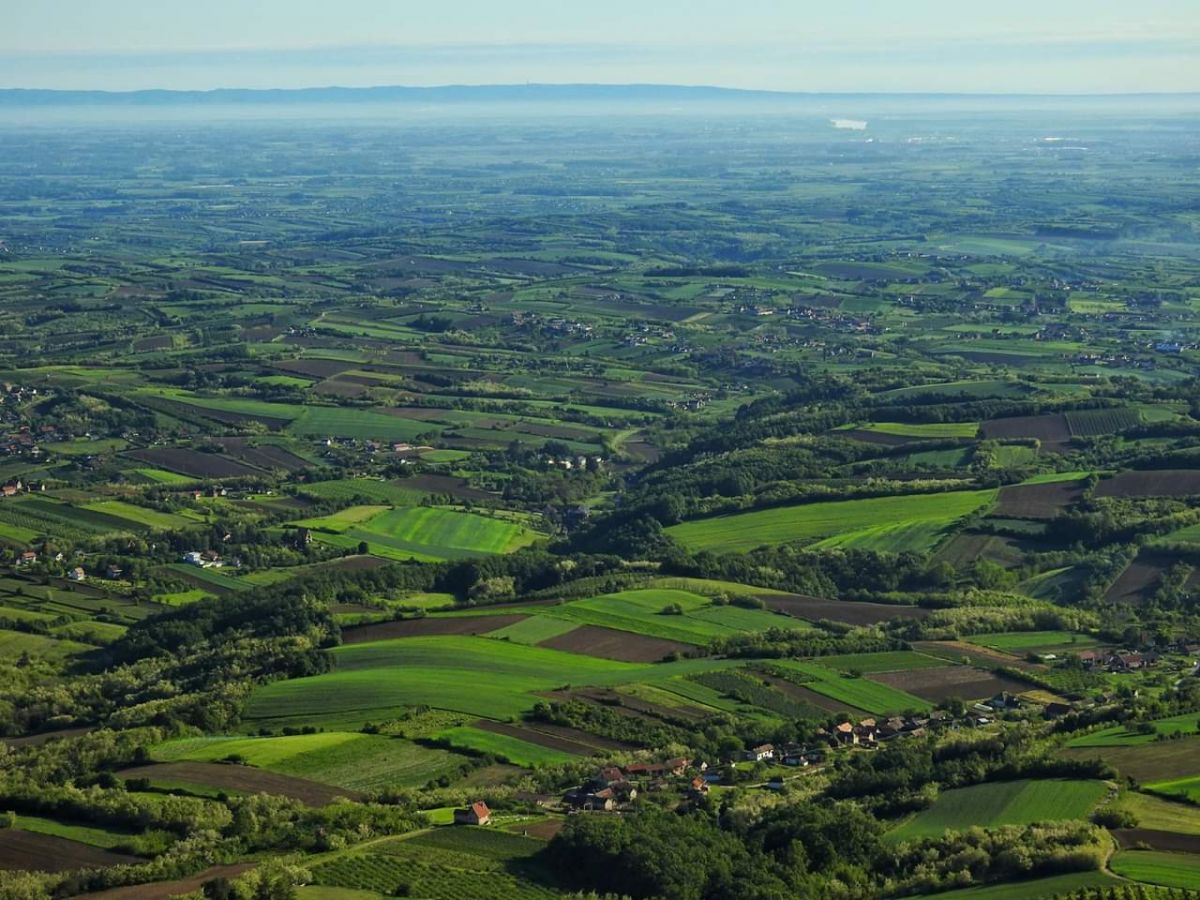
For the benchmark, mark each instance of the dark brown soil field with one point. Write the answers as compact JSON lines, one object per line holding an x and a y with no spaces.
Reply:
{"x":979,"y":656}
{"x":1136,"y":583}
{"x":1038,"y":501}
{"x":242,"y":779}
{"x":161,"y":342}
{"x":561,"y":432}
{"x":162,"y":890}
{"x":358,"y":563}
{"x":631,"y":706}
{"x":194,"y":463}
{"x":337,"y":388}
{"x":964,"y":549}
{"x":47,"y":853}
{"x":36,"y":740}
{"x":445,"y":484}
{"x":546,"y":830}
{"x":532,"y":736}
{"x":264,"y":457}
{"x":1170,"y":841}
{"x":585,"y":738}
{"x":592,"y":640}
{"x":315,"y":368}
{"x":426,"y":625}
{"x":1158,"y":483}
{"x":815,"y":608}
{"x":1050,"y":429}
{"x":943,"y":683}
{"x":872,"y":437}
{"x":1157,"y":761}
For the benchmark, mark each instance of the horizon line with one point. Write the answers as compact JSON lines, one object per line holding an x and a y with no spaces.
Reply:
{"x":773,"y":92}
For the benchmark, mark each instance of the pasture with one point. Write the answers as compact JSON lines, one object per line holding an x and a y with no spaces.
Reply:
{"x":812,"y":521}
{"x":343,"y":759}
{"x":1176,"y":870}
{"x":1003,"y":803}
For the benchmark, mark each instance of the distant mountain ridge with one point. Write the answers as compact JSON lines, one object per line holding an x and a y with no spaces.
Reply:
{"x":468,"y":94}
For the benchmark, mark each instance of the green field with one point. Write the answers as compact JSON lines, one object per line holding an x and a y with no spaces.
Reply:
{"x":421,"y":533}
{"x":1186,"y":788}
{"x":474,"y":675}
{"x":641,"y":612}
{"x":1121,"y":736}
{"x":1179,"y":870}
{"x":343,"y":759}
{"x":857,"y":693}
{"x":892,"y":661}
{"x":106,"y":838}
{"x":930,"y":431}
{"x":502,"y":746}
{"x":151,"y":518}
{"x":1027,"y":641}
{"x":1003,"y":803}
{"x":1052,"y":888}
{"x":447,"y":862}
{"x":745,"y":531}
{"x":533,"y":630}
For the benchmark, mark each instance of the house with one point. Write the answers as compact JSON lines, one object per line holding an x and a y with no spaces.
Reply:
{"x":475,"y":814}
{"x":760,"y":753}
{"x":303,"y":538}
{"x":112,"y":573}
{"x":77,"y":574}
{"x":845,"y":733}
{"x":698,"y":787}
{"x":27,"y":557}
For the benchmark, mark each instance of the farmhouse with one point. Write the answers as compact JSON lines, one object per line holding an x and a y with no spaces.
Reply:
{"x":475,"y":814}
{"x":77,"y":574}
{"x":27,"y":557}
{"x":759,"y":753}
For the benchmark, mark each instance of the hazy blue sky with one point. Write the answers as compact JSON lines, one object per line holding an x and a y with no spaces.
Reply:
{"x":846,"y":45}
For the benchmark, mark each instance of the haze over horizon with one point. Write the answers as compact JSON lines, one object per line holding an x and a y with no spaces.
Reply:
{"x":928,"y":46}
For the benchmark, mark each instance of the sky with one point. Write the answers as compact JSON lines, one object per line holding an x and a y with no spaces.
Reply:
{"x":944,"y":46}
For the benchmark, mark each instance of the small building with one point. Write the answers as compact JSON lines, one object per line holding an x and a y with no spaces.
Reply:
{"x":27,"y":557}
{"x":475,"y":814}
{"x":112,"y":573}
{"x":77,"y":574}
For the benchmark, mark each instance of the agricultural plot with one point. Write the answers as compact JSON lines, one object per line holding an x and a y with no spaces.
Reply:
{"x":851,"y":613}
{"x":873,"y":663}
{"x":1003,"y":803}
{"x":745,"y":531}
{"x":423,"y":533}
{"x":395,"y":493}
{"x":1051,"y":888}
{"x":445,"y":864}
{"x":140,"y":516}
{"x":353,"y":760}
{"x":1183,"y":788}
{"x":935,"y":431}
{"x":478,"y":676}
{"x":1155,"y":483}
{"x":678,"y":616}
{"x":35,"y":852}
{"x":1151,"y":762}
{"x":1175,"y":870}
{"x":1051,"y":429}
{"x":1099,"y":422}
{"x":1031,"y":641}
{"x":1038,"y":501}
{"x":609,"y":643}
{"x":854,"y":692}
{"x":504,"y":747}
{"x":207,"y":779}
{"x":1121,"y":736}
{"x":938,"y":685}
